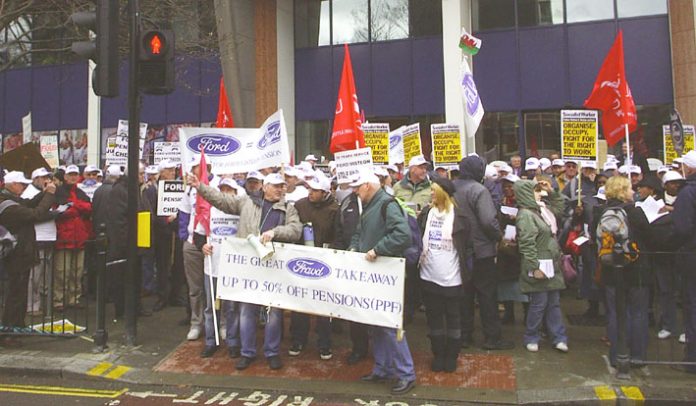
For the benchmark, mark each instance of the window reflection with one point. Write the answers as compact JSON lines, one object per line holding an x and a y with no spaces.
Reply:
{"x":425,"y":17}
{"x":489,"y":14}
{"x":311,"y":137}
{"x":389,"y":19}
{"x":635,"y":8}
{"x":312,"y":23}
{"x":589,"y":10}
{"x":350,"y":21}
{"x":543,"y":132}
{"x":496,"y":138}
{"x":539,"y":12}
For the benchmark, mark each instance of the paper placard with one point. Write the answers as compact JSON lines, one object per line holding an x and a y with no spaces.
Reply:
{"x":579,"y":134}
{"x":670,"y":153}
{"x":377,"y":138}
{"x":49,"y":149}
{"x":580,"y":240}
{"x":447,"y":144}
{"x":510,"y":211}
{"x":510,"y":232}
{"x":169,"y":196}
{"x":546,"y":266}
{"x":412,"y":142}
{"x":348,"y":163}
{"x":396,"y":146}
{"x":167,"y":150}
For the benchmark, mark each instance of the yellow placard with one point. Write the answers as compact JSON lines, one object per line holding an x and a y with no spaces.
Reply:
{"x":579,"y":134}
{"x":447,"y":144}
{"x":670,"y":153}
{"x":412,"y":142}
{"x":377,"y":138}
{"x":144,"y":229}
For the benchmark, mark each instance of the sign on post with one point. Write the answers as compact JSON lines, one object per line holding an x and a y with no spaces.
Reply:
{"x":447,"y":144}
{"x":49,"y":149}
{"x":412,"y":142}
{"x":579,"y":134}
{"x":670,"y":152}
{"x":169,"y":195}
{"x":377,"y":138}
{"x":348,"y":163}
{"x":167,"y":150}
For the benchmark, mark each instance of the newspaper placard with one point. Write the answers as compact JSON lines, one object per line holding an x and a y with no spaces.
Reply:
{"x":26,"y":128}
{"x":313,"y":280}
{"x":579,"y":134}
{"x":670,"y":153}
{"x":447,"y":144}
{"x":348,"y":163}
{"x":167,"y":150}
{"x":412,"y":142}
{"x":117,"y":150}
{"x":396,"y":146}
{"x":122,"y":129}
{"x":49,"y":149}
{"x":377,"y":138}
{"x":222,"y":227}
{"x":236,"y":150}
{"x":169,"y":195}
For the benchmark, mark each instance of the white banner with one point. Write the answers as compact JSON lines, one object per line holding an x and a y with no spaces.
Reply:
{"x":49,"y":149}
{"x":26,"y":128}
{"x":348,"y":163}
{"x":472,"y":102}
{"x":237,"y":150}
{"x":396,"y":146}
{"x":320,"y":281}
{"x":167,"y":150}
{"x":169,"y":196}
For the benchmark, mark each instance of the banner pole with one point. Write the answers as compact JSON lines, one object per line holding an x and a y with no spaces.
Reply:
{"x":628,"y":161}
{"x":209,"y":262}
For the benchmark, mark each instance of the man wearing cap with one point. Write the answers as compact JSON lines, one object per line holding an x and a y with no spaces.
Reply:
{"x":516,"y":165}
{"x":318,"y":210}
{"x":89,"y":184}
{"x":569,"y":175}
{"x":272,"y":219}
{"x":387,"y":235}
{"x":253,"y":183}
{"x":415,"y":186}
{"x":610,"y":168}
{"x":532,"y":168}
{"x":294,"y":184}
{"x":685,"y":211}
{"x":19,"y":216}
{"x":312,"y":160}
{"x":45,"y":238}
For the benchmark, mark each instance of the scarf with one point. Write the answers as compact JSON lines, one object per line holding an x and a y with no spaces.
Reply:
{"x":548,"y":217}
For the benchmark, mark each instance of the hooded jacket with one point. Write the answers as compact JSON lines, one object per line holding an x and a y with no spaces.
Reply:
{"x":535,"y":240}
{"x":322,"y":215}
{"x":475,"y":207}
{"x":685,"y":211}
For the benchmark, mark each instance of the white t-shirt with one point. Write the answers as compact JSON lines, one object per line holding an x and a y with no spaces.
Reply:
{"x":440,"y":262}
{"x":45,"y":231}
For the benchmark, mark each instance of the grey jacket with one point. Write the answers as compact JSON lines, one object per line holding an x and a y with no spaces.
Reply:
{"x":249,"y":211}
{"x":475,"y":204}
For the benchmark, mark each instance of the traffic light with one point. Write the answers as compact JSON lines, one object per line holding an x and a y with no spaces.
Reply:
{"x":103,"y":50}
{"x":156,"y":62}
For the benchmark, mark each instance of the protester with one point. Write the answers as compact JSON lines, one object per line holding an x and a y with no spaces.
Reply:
{"x":532,"y":168}
{"x":253,"y":183}
{"x":569,"y":175}
{"x":516,"y":165}
{"x":272,"y":219}
{"x":294,"y":181}
{"x":19,"y":216}
{"x":415,"y":186}
{"x":384,"y":236}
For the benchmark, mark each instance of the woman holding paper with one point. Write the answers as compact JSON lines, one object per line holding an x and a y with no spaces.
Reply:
{"x":541,"y":277}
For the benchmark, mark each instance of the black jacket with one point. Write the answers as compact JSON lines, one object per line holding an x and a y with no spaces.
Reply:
{"x":347,"y":220}
{"x":100,"y":209}
{"x":19,"y":219}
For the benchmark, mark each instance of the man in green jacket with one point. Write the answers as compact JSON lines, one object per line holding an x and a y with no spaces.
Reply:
{"x":387,"y":235}
{"x":415,"y":186}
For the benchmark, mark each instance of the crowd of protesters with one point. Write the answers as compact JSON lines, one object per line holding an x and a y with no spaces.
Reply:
{"x":474,"y":236}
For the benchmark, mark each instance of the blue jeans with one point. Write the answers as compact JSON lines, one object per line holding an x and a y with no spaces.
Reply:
{"x":147,"y":265}
{"x":249,"y":313}
{"x":230,"y":310}
{"x":545,"y":304}
{"x":392,"y":357}
{"x":636,"y":322}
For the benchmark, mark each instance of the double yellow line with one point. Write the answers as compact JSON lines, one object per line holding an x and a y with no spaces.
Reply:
{"x":608,"y":394}
{"x":63,"y":391}
{"x":103,"y":367}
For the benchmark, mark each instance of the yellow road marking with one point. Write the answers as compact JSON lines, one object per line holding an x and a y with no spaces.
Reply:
{"x":100,"y":369}
{"x":63,"y":391}
{"x":605,"y":393}
{"x":633,"y":393}
{"x":117,"y":372}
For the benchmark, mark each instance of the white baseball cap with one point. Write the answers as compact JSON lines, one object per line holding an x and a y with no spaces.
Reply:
{"x":505,"y":168}
{"x":194,"y":161}
{"x":16,"y":177}
{"x":273,"y":179}
{"x":663,"y":169}
{"x":511,"y":178}
{"x":166,"y":164}
{"x":531,"y":164}
{"x":40,"y":172}
{"x":72,"y":169}
{"x":90,"y":169}
{"x":611,"y":158}
{"x":624,"y":169}
{"x":381,"y":171}
{"x":417,"y":160}
{"x":557,"y":162}
{"x":229,"y":182}
{"x":392,"y":168}
{"x":672,"y":176}
{"x":498,"y":164}
{"x":545,"y":163}
{"x":310,"y":157}
{"x":689,"y":159}
{"x":634,"y":169}
{"x":152,"y":170}
{"x":589,"y":165}
{"x":100,"y":173}
{"x":292,"y":171}
{"x":320,"y":182}
{"x":366,"y":175}
{"x":654,"y":164}
{"x":491,"y":172}
{"x":113,"y":170}
{"x":600,"y":194}
{"x":255,"y":175}
{"x":610,"y":165}
{"x":570,"y":161}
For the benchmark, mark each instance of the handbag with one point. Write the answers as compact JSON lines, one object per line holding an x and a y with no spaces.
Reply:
{"x":569,"y":247}
{"x":568,"y":269}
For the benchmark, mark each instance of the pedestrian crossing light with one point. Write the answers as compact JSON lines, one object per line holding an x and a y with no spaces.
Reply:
{"x":156,"y":59}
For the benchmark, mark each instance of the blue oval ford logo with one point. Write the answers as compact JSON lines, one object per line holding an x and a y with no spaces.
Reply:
{"x":270,"y":136}
{"x":214,"y":144}
{"x":226,"y":231}
{"x":309,"y":268}
{"x":394,"y":141}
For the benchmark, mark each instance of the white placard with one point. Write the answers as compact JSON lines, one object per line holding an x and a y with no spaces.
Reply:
{"x":117,"y":150}
{"x":167,"y":150}
{"x":313,"y":280}
{"x":348,"y":163}
{"x":49,"y":149}
{"x":222,"y":227}
{"x":122,"y":129}
{"x":509,"y":210}
{"x":169,"y":196}
{"x":396,"y":146}
{"x":26,"y":128}
{"x":237,"y":150}
{"x":510,"y":233}
{"x":580,"y":240}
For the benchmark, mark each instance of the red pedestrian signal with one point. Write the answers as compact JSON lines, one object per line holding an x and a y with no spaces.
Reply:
{"x":156,"y":62}
{"x":155,"y":44}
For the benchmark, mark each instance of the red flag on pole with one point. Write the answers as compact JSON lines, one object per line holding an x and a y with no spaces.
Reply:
{"x":347,"y":131}
{"x":202,"y":205}
{"x":224,"y":115}
{"x":612,"y":95}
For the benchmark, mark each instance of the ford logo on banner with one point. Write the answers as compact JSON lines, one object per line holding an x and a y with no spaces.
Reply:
{"x":394,"y":141}
{"x":309,"y":268}
{"x":270,"y":136}
{"x":225,"y":231}
{"x":214,"y":144}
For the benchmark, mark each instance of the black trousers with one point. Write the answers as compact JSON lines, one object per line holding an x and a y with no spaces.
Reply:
{"x":163,"y":260}
{"x":484,"y":286}
{"x":16,"y":272}
{"x":443,"y":314}
{"x":359,"y":337}
{"x":299,"y":329}
{"x":412,"y":294}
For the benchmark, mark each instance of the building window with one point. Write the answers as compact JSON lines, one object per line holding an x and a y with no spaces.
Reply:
{"x":425,"y":18}
{"x":312,"y":23}
{"x":350,"y":22}
{"x":635,"y":8}
{"x":388,"y":19}
{"x":589,"y":10}
{"x":539,"y":12}
{"x":542,"y":132}
{"x":312,"y":137}
{"x":497,"y":137}
{"x":490,"y":14}
{"x":647,"y":139}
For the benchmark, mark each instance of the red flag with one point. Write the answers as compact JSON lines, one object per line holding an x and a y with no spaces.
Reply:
{"x":202,"y":205}
{"x":224,"y":116}
{"x":347,"y":131}
{"x":612,"y":95}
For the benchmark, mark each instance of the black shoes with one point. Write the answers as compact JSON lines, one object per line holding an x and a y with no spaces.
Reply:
{"x":374,"y":378}
{"x":233,"y":352}
{"x":402,"y":386}
{"x":243,"y":363}
{"x":208,"y":351}
{"x":355,"y":357}
{"x":275,"y":362}
{"x":498,"y":345}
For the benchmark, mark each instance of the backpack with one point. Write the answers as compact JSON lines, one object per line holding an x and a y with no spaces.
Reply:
{"x":8,"y":241}
{"x":615,"y":248}
{"x":412,"y":253}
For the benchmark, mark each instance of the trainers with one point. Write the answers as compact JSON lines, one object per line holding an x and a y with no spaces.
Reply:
{"x":664,"y":334}
{"x":682,"y":338}
{"x":562,"y":347}
{"x":325,"y":354}
{"x":193,"y":334}
{"x":532,"y":347}
{"x":275,"y":362}
{"x":295,"y":350}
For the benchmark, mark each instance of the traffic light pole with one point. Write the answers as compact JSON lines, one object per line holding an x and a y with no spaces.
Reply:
{"x":133,"y":175}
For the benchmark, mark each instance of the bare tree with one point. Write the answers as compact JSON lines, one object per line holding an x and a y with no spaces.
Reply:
{"x":389,"y":20}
